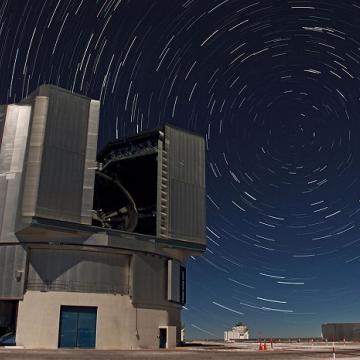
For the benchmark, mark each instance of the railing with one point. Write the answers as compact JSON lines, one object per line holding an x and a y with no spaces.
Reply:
{"x":76,"y":286}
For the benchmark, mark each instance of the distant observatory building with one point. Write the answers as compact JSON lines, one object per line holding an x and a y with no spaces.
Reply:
{"x":237,"y":333}
{"x":93,"y":249}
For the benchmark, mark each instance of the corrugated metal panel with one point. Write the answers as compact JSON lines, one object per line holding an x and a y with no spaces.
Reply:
{"x":12,"y":271}
{"x":341,"y":331}
{"x":35,"y":151}
{"x":78,"y":271}
{"x":90,"y":162}
{"x":6,"y":153}
{"x":12,"y":156}
{"x":186,"y":185}
{"x":62,"y":168}
{"x":149,"y":280}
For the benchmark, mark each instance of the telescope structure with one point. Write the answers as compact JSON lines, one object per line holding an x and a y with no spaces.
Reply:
{"x":93,"y":245}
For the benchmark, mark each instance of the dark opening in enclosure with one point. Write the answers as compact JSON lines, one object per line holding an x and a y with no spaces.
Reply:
{"x":8,"y":315}
{"x":162,"y":338}
{"x":125,"y":195}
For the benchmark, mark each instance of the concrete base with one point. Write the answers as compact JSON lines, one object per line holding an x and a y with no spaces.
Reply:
{"x":120,"y":325}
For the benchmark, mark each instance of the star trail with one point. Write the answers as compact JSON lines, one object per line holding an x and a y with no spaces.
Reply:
{"x":274,"y":86}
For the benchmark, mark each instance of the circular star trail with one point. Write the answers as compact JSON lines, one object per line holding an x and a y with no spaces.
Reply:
{"x":274,"y":88}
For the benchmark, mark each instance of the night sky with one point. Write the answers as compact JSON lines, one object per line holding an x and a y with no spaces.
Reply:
{"x":274,"y":87}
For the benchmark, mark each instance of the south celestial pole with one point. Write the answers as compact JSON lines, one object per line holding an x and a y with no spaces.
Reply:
{"x":274,"y":87}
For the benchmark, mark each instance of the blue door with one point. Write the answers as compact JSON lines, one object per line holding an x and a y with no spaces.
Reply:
{"x":77,"y":327}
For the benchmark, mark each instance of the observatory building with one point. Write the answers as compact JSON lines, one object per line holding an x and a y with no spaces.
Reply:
{"x":237,"y":333}
{"x":93,"y":247}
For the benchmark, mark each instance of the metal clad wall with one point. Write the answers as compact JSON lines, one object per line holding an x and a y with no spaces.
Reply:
{"x":12,"y":271}
{"x":12,"y":155}
{"x":6,"y":152}
{"x":62,"y":168}
{"x":341,"y":331}
{"x":78,"y":271}
{"x":149,"y":280}
{"x":35,"y":152}
{"x":186,"y":185}
{"x":90,"y":162}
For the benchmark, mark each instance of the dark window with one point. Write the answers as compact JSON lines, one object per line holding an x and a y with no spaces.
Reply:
{"x":182,"y":285}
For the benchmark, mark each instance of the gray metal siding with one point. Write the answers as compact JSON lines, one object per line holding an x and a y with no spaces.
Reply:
{"x":12,"y":271}
{"x":186,"y":185}
{"x":78,"y":271}
{"x":187,"y":220}
{"x":12,"y":155}
{"x":34,"y":155}
{"x":341,"y":331}
{"x":90,"y":163}
{"x":149,"y":280}
{"x":62,"y":168}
